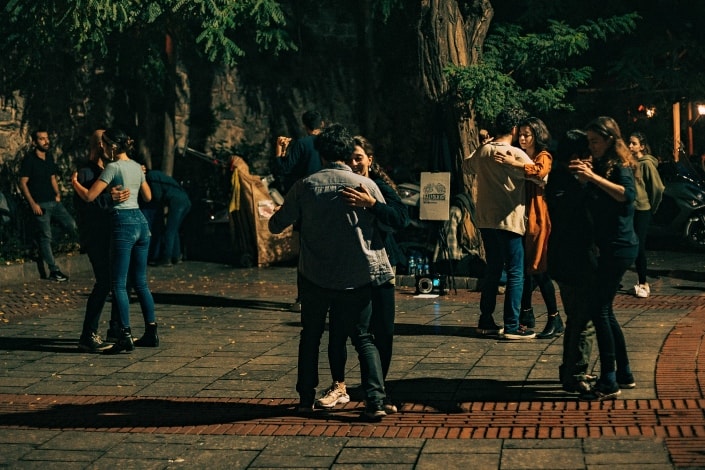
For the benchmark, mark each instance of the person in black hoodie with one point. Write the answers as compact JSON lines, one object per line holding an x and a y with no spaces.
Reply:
{"x":571,"y":258}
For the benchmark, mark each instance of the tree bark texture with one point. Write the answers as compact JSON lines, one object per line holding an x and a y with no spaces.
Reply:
{"x":447,"y":37}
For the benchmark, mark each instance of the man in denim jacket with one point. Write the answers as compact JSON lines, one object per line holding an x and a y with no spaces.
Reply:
{"x":342,"y":256}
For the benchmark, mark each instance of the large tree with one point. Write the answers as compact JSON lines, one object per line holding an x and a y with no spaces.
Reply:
{"x":133,"y":44}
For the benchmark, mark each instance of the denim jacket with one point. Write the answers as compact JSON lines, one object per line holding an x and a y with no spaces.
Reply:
{"x":341,"y":246}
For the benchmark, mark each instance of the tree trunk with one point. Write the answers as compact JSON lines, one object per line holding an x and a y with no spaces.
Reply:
{"x":367,"y":70}
{"x":169,"y":108}
{"x":447,"y":38}
{"x":144,"y":128}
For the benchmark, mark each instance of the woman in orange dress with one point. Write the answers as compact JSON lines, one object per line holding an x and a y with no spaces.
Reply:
{"x":533,"y":139}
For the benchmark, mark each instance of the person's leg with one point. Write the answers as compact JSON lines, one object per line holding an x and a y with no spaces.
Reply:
{"x":64,"y":219}
{"x":642,"y":219}
{"x":138,"y":273}
{"x":43,"y":226}
{"x":526,"y":316}
{"x":382,"y":323}
{"x":548,"y":291}
{"x":315,"y":303}
{"x":123,"y":239}
{"x":577,"y":341}
{"x":527,"y":292}
{"x":337,"y":346}
{"x":99,"y":257}
{"x":355,"y":308}
{"x":609,"y":275}
{"x":624,"y":373}
{"x":138,"y":270}
{"x":98,"y":251}
{"x":513,"y":252}
{"x":178,"y":211}
{"x":554,"y":325}
{"x":490,"y":279}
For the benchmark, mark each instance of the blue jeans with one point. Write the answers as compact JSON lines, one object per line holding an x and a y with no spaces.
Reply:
{"x":503,"y":250}
{"x":178,"y":210}
{"x":130,"y":248}
{"x":610,"y":339}
{"x":350,"y":310}
{"x":51,"y":210}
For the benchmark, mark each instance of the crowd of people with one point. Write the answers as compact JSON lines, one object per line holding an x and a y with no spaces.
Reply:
{"x":574,"y":214}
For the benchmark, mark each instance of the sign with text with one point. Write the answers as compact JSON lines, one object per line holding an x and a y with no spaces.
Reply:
{"x":434,"y":200}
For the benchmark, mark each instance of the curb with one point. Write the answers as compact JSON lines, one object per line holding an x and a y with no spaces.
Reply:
{"x":71,"y":264}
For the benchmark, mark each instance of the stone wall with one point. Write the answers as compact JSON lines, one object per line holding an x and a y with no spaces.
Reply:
{"x":12,"y":136}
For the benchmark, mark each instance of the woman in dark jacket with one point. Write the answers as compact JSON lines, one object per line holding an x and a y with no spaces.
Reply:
{"x":611,"y":193}
{"x":393,"y":215}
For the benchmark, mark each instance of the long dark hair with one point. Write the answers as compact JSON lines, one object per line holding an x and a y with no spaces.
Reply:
{"x":641,"y":137}
{"x":376,"y":170}
{"x":618,"y":153}
{"x":540,"y":132}
{"x":122,"y":141}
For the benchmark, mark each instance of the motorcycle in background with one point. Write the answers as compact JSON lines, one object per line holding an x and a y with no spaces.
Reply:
{"x":681,"y":214}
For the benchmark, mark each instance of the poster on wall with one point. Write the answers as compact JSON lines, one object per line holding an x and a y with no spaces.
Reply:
{"x":435,"y":196}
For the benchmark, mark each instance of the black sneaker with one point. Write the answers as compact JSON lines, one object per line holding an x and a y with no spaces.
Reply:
{"x":601,"y":392}
{"x":92,"y":344}
{"x":520,"y":333}
{"x":374,"y":412}
{"x":58,"y":276}
{"x":576,"y":386}
{"x":305,"y":408}
{"x":487,"y":327}
{"x":626,"y":382}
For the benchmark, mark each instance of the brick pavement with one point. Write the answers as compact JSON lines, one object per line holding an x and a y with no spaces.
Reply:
{"x":219,"y":392}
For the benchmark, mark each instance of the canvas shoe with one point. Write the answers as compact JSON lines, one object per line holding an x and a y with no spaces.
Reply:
{"x":642,"y":291}
{"x":601,"y":392}
{"x":92,"y":344}
{"x":520,"y":333}
{"x":374,"y":413}
{"x":487,"y":327}
{"x":335,"y":394}
{"x":58,"y":276}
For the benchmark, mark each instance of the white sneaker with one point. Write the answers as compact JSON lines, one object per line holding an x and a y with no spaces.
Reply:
{"x":641,"y":290}
{"x":335,"y":394}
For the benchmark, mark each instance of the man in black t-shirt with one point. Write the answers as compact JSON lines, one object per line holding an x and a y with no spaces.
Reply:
{"x":41,"y":190}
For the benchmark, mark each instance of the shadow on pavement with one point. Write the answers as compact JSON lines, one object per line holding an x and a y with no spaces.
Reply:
{"x":446,"y":396}
{"x":56,"y":345}
{"x":694,"y":276}
{"x":213,"y":301}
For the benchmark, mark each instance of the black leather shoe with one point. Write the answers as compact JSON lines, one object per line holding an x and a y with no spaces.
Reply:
{"x":554,"y":327}
{"x":123,"y":343}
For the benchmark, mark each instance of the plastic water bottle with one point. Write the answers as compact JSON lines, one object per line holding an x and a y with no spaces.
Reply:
{"x":412,"y":265}
{"x":424,"y":270}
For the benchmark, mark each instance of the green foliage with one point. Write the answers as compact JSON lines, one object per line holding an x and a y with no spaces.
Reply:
{"x":536,"y":70}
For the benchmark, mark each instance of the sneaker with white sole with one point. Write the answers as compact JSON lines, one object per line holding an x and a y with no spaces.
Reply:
{"x":334,"y":395}
{"x":520,"y":333}
{"x":389,"y":407}
{"x":374,"y":413}
{"x":641,"y":291}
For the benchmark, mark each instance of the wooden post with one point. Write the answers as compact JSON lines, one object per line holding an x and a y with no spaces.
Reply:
{"x":690,"y":128}
{"x":676,"y":129}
